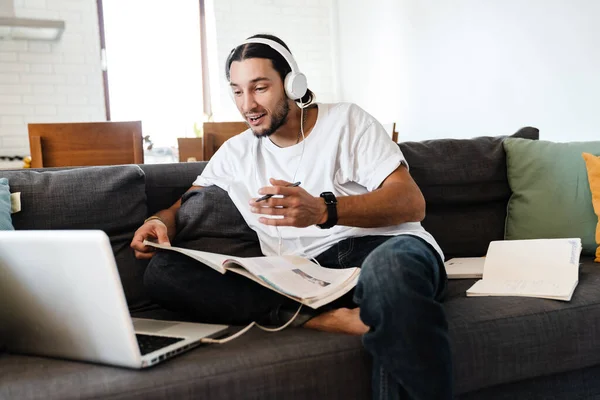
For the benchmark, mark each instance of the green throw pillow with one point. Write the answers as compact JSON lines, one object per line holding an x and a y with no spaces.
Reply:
{"x":5,"y":220}
{"x":551,"y":193}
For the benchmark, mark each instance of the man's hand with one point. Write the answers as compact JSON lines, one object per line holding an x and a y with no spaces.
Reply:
{"x":297,"y":208}
{"x":153,"y":229}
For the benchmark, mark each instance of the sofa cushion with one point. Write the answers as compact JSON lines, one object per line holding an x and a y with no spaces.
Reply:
{"x":551,"y":193}
{"x":165,"y":183}
{"x":292,"y":364}
{"x":579,"y":384}
{"x":5,"y":220}
{"x":497,"y":340}
{"x":592,"y":164}
{"x":209,"y":221}
{"x":465,"y":187}
{"x":111,"y":199}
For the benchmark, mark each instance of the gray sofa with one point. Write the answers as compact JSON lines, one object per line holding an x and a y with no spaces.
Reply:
{"x":503,"y":347}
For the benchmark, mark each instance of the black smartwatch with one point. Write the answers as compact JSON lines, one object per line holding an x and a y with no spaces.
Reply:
{"x":332,"y":217}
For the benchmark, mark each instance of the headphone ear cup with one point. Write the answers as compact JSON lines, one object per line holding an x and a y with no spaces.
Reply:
{"x":295,"y":85}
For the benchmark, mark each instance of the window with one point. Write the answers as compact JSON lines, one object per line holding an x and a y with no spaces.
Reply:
{"x":153,"y":65}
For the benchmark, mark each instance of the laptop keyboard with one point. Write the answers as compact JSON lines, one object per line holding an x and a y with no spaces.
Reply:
{"x":150,"y":343}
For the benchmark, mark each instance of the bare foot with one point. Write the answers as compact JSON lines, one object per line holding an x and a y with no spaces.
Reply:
{"x":342,"y":320}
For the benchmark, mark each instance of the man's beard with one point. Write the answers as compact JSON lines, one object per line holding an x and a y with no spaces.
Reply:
{"x":278,"y":118}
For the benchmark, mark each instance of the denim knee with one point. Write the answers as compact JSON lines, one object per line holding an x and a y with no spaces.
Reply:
{"x":402,"y":262}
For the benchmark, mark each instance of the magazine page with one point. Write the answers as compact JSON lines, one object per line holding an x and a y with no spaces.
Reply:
{"x":318,"y":302}
{"x":292,"y":276}
{"x":213,"y":260}
{"x":296,"y":275}
{"x":314,"y":302}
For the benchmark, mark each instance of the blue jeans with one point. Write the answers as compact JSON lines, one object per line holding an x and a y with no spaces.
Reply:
{"x":399,"y":291}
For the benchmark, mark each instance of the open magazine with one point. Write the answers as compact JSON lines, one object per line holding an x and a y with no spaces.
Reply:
{"x":292,"y":276}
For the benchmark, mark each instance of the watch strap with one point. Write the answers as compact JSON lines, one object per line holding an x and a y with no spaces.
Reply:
{"x":332,"y":217}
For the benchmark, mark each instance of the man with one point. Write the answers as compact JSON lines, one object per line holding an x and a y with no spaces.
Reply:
{"x":356,"y":205}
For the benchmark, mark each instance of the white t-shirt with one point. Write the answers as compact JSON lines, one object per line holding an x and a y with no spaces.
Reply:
{"x":347,"y":152}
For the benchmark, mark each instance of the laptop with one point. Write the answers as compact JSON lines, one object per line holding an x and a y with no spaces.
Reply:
{"x":61,"y":296}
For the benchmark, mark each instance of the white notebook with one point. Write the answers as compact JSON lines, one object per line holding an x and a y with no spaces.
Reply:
{"x":545,"y":268}
{"x":464,"y":268}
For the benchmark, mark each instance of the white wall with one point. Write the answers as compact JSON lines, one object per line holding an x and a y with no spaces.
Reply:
{"x":304,"y":25}
{"x":47,"y":81}
{"x":463,"y":68}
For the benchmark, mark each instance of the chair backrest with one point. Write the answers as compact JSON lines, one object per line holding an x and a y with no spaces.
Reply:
{"x":216,"y":133}
{"x":85,"y":143}
{"x":394,"y":133}
{"x":190,"y":149}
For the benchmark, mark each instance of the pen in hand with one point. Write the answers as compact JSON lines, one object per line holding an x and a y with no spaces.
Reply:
{"x":268,"y":196}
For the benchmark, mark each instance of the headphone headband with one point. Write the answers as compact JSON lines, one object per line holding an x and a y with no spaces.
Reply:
{"x":294,"y":82}
{"x":277,"y":47}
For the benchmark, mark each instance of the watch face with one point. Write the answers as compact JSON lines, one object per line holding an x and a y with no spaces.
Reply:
{"x":329,"y":198}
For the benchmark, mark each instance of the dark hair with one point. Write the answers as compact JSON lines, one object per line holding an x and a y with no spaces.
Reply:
{"x":259,"y":50}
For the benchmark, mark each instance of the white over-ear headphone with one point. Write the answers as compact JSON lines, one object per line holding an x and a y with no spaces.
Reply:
{"x":295,"y":81}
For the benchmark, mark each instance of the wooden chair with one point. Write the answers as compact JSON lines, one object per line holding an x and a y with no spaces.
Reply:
{"x":87,"y":143}
{"x":216,"y":133}
{"x":390,"y":128}
{"x":394,"y":133}
{"x":190,"y":149}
